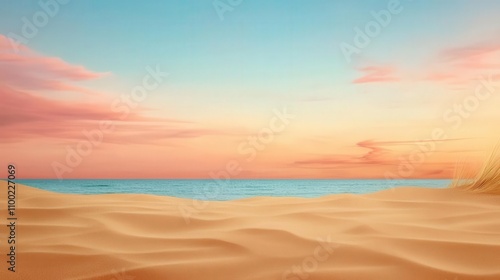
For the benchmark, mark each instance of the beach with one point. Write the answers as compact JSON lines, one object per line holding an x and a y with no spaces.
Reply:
{"x":401,"y":233}
{"x":249,"y":140}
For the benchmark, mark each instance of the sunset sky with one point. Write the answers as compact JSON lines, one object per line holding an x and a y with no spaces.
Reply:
{"x":259,"y":89}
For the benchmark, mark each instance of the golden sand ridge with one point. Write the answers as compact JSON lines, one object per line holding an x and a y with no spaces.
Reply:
{"x":402,"y":233}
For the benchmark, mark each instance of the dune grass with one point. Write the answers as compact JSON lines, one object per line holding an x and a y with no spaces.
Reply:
{"x":486,"y":180}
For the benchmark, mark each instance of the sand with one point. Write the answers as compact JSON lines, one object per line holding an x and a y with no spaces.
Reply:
{"x":404,"y":233}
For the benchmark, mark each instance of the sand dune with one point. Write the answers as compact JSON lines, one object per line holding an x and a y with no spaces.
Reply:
{"x":405,"y":233}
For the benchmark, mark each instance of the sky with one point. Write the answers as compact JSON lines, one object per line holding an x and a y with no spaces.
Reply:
{"x":247,"y":89}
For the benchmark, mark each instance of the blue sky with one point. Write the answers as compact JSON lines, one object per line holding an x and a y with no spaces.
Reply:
{"x":231,"y":73}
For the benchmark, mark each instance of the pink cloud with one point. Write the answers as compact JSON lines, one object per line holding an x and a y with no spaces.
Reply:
{"x":376,"y":74}
{"x":376,"y":155}
{"x":476,"y":57}
{"x":27,"y":114}
{"x":458,"y":66}
{"x":454,"y":66}
{"x":28,"y":70}
{"x":380,"y":158}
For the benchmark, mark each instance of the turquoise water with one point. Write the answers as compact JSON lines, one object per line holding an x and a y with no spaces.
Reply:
{"x":232,"y":189}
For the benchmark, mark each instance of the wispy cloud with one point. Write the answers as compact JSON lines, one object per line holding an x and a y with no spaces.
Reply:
{"x":453,"y":66}
{"x":485,"y":56}
{"x":27,"y":113}
{"x":456,"y":66}
{"x":30,"y":71}
{"x":377,"y":74}
{"x":377,"y":155}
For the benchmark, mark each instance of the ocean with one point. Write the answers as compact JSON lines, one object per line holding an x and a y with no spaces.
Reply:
{"x":232,"y":189}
